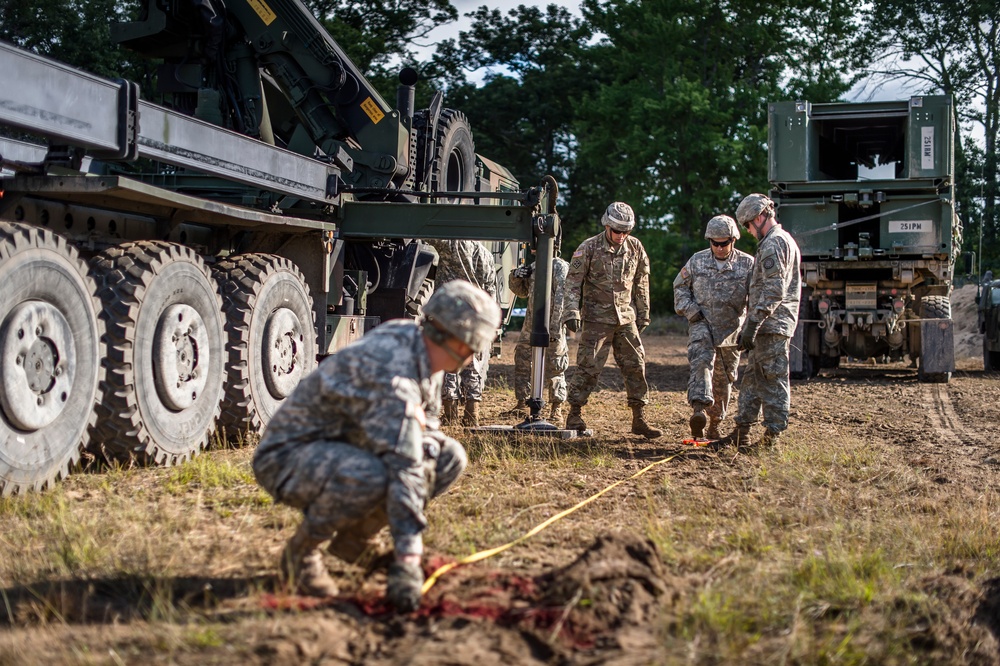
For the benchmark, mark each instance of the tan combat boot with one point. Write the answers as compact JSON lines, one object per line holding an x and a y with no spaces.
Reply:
{"x":555,"y":414}
{"x":698,"y":421}
{"x":769,"y":438}
{"x":450,"y":412}
{"x":302,"y":567}
{"x":357,"y":543}
{"x":575,"y":419}
{"x":739,"y":437}
{"x":713,"y":428}
{"x":471,"y":417}
{"x":640,"y":426}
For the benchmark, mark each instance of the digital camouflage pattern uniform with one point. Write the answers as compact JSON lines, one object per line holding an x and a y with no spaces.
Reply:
{"x":720,"y":294}
{"x":357,"y":443}
{"x":612,"y":282}
{"x":557,"y":353}
{"x":775,"y":287}
{"x":473,"y":262}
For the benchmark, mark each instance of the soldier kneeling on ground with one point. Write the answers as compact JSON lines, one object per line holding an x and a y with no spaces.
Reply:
{"x":357,"y":445}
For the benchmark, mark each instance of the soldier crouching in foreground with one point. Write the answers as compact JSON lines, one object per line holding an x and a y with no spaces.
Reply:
{"x":357,"y":444}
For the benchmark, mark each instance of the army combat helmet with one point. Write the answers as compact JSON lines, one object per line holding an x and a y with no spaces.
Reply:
{"x":722,"y":226}
{"x":619,"y":216}
{"x":462,"y":310}
{"x":752,"y":206}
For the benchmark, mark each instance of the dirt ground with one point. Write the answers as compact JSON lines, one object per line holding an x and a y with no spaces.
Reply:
{"x":592,"y":588}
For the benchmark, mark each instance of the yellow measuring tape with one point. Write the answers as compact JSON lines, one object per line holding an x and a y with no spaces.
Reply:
{"x":483,"y":554}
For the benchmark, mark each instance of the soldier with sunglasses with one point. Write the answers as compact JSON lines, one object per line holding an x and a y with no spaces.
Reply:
{"x":711,"y":292}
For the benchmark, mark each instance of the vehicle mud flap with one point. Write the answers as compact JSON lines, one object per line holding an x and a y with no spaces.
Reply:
{"x":937,"y":354}
{"x":799,"y":366}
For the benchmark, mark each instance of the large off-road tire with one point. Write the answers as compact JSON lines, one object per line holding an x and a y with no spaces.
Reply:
{"x":453,"y":167}
{"x":933,"y":307}
{"x":991,"y":359}
{"x":272,"y":338}
{"x":49,"y":357}
{"x":165,"y":351}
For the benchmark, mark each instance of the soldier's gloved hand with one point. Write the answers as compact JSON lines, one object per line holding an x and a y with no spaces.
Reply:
{"x":522,"y":272}
{"x":748,"y":335}
{"x":406,"y":578}
{"x":642,"y":326}
{"x":573,"y":325}
{"x":697,"y":316}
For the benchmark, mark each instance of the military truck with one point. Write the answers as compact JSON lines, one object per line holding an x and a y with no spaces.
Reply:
{"x":167,"y":268}
{"x":867,"y":190}
{"x":988,"y":301}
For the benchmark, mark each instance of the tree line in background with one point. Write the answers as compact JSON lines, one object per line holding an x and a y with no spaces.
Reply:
{"x":660,"y":103}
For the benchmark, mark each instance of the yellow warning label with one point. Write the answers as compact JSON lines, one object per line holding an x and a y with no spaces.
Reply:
{"x":263,"y":11}
{"x":371,"y":108}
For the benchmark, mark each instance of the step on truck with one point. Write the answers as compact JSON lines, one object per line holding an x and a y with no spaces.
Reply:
{"x":867,"y":190}
{"x":169,"y":269}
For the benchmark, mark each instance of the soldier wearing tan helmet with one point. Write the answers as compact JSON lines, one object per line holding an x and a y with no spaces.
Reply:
{"x":711,"y":292}
{"x":772,"y":313}
{"x":607,"y":299}
{"x":357,"y":445}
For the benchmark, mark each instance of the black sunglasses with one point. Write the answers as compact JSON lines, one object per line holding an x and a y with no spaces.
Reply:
{"x":724,"y":243}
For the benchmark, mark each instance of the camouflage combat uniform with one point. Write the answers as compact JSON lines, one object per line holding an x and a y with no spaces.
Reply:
{"x":720,"y":294}
{"x":774,"y":301}
{"x":359,"y":438}
{"x":473,"y":262}
{"x":557,"y":353}
{"x":613,"y":285}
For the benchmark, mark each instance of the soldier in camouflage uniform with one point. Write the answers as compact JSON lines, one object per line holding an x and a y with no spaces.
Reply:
{"x":357,"y":446}
{"x":711,"y":292}
{"x":773,"y":312}
{"x":522,"y":283}
{"x":609,"y":273}
{"x":473,"y":262}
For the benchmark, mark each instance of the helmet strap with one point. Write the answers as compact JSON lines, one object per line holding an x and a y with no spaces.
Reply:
{"x":440,"y":338}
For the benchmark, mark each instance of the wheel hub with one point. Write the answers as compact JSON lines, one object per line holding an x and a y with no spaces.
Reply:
{"x":180,"y":356}
{"x":37,"y":364}
{"x":282,"y":351}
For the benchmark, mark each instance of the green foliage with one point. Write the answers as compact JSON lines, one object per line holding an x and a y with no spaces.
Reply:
{"x":660,"y":103}
{"x":670,"y":117}
{"x":373,"y":34}
{"x":523,"y":114}
{"x":76,"y":32}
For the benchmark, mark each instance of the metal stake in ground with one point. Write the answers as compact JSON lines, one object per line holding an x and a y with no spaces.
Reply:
{"x":547,"y":230}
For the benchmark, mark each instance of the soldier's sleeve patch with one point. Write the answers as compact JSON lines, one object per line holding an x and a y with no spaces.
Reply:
{"x":770,"y":264}
{"x":685,"y":273}
{"x":577,"y":263}
{"x":578,"y":253}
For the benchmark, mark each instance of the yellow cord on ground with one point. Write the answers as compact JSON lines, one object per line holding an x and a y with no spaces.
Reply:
{"x":483,"y":554}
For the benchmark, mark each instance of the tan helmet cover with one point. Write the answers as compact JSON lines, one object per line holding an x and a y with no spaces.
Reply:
{"x":722,"y":226}
{"x":752,"y":206}
{"x":466,"y":312}
{"x":619,"y":216}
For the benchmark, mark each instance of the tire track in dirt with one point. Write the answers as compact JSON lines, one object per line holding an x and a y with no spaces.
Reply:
{"x":941,"y":412}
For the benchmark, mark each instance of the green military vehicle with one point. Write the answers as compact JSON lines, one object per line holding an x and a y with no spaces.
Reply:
{"x":988,"y":300}
{"x":867,"y":191}
{"x":169,"y":267}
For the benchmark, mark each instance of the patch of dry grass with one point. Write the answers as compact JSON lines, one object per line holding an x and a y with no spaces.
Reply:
{"x":858,"y":540}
